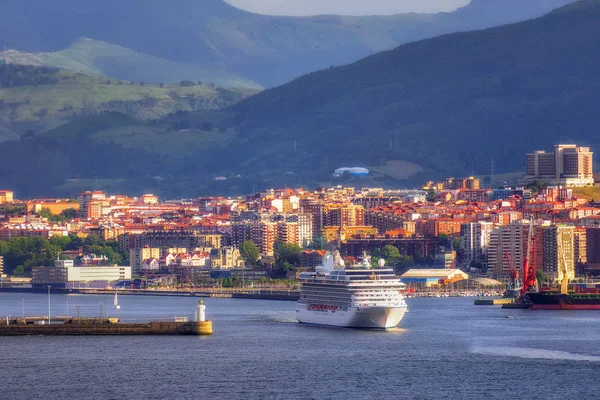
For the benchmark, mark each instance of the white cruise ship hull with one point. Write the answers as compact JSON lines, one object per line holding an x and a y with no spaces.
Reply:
{"x":354,"y":317}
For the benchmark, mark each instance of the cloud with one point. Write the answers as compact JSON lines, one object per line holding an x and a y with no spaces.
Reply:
{"x":346,"y":7}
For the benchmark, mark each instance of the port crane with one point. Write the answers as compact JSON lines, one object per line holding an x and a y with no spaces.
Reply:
{"x":530,"y":283}
{"x":562,"y":266}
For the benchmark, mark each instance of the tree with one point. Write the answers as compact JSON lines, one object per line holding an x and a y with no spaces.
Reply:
{"x":318,"y":243}
{"x":537,"y":186}
{"x":287,"y":252}
{"x":430,"y":195}
{"x":67,"y":214}
{"x":541,"y":276}
{"x":389,"y":253}
{"x":287,"y":256}
{"x":456,"y":245}
{"x":249,"y":252}
{"x":19,"y":271}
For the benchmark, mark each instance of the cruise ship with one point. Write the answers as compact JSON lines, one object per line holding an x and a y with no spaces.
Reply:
{"x":356,"y":297}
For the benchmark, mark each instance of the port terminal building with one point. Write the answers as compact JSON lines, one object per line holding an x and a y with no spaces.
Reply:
{"x":64,"y":275}
{"x":433,"y":277}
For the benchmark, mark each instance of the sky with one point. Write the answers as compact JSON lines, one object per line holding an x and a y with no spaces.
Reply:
{"x":346,"y":7}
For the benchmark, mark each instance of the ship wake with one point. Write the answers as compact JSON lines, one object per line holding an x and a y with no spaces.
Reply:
{"x":523,"y":352}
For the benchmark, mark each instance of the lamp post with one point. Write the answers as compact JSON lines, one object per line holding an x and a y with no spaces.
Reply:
{"x":48,"y":304}
{"x":23,"y":307}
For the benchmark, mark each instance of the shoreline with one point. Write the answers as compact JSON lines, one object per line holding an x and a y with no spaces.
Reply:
{"x":284,"y":295}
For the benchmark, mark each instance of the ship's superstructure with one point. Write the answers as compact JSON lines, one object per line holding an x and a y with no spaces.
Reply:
{"x":356,"y":297}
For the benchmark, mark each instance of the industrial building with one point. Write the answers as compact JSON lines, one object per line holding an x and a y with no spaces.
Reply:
{"x":66,"y":276}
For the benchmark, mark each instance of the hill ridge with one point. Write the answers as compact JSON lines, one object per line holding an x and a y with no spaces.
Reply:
{"x":270,"y":50}
{"x":96,"y":57}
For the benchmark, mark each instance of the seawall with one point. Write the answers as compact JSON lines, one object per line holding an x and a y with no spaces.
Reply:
{"x":152,"y":328}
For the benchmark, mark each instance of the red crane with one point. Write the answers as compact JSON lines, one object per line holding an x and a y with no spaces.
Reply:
{"x":514,"y":274}
{"x":529,"y":275}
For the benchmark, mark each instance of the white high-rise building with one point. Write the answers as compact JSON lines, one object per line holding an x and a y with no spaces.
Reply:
{"x":474,"y":242}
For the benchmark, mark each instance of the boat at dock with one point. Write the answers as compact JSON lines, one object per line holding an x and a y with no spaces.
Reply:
{"x":356,"y":297}
{"x":555,"y":300}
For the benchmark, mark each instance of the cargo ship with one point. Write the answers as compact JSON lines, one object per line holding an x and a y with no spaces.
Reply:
{"x":555,"y":300}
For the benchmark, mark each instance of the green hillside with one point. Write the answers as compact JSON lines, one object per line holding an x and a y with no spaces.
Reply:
{"x":40,"y":98}
{"x":269,"y":50}
{"x":94,"y":57}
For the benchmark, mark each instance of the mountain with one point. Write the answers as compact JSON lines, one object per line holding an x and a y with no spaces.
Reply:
{"x":449,"y":104}
{"x":38,"y":98}
{"x":210,"y":33}
{"x":94,"y":57}
{"x":446,"y":105}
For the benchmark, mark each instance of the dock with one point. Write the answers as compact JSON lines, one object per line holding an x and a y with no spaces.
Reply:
{"x":493,"y":302}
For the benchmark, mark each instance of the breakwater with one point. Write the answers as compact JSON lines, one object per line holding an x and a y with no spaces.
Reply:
{"x":105,"y":327}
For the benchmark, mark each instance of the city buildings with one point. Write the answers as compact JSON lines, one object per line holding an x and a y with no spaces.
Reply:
{"x":418,"y":248}
{"x":569,"y":165}
{"x":484,"y":231}
{"x":6,"y":196}
{"x":452,"y":183}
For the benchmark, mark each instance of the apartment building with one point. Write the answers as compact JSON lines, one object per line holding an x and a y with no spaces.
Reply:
{"x":559,"y":250}
{"x":385,"y":220}
{"x":508,"y":247}
{"x":91,"y":203}
{"x":137,"y":256}
{"x":474,"y":242}
{"x":266,"y":228}
{"x":180,"y":238}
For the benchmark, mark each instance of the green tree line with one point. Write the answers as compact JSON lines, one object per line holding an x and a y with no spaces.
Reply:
{"x":66,"y":215}
{"x":21,"y":254}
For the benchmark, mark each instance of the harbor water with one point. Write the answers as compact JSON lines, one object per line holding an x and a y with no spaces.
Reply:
{"x":445,"y":348}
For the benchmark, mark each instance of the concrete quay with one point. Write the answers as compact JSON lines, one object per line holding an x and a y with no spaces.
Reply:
{"x":493,"y":302}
